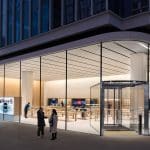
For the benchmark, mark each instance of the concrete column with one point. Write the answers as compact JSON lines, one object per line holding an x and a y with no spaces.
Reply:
{"x":138,"y":66}
{"x":27,"y":88}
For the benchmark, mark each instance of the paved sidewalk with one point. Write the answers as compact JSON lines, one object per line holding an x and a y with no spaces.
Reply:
{"x":23,"y":137}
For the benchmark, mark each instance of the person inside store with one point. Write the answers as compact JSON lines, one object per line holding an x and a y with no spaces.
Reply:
{"x":40,"y":122}
{"x":53,"y":119}
{"x":26,"y":109}
{"x":62,"y":104}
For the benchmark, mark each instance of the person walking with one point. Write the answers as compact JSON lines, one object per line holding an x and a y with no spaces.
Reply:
{"x":26,"y":108}
{"x":40,"y":122}
{"x":53,"y":119}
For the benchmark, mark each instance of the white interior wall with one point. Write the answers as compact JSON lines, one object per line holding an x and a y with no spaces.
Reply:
{"x":77,"y":88}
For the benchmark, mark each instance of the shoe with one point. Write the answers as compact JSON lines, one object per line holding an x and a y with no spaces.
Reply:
{"x":53,"y":136}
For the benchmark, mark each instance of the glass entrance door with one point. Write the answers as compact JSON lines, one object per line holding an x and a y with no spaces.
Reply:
{"x":112,"y":107}
{"x":119,"y":107}
{"x":124,"y":102}
{"x":116,"y":108}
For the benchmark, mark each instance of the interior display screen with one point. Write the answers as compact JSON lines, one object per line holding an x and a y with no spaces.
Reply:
{"x":78,"y":102}
{"x":52,"y":101}
{"x":7,"y":105}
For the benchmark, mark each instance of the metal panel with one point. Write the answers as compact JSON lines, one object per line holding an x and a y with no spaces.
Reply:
{"x":146,"y":110}
{"x":101,"y":95}
{"x":0,"y":22}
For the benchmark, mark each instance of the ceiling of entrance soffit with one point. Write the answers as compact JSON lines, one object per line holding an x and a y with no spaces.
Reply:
{"x":82,"y":62}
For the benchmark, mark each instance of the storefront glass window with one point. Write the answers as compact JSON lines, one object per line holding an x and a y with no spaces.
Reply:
{"x":32,"y":88}
{"x":53,"y":76}
{"x":83,"y":71}
{"x":11,"y":99}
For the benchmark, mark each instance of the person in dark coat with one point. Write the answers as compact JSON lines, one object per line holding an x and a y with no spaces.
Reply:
{"x":40,"y":122}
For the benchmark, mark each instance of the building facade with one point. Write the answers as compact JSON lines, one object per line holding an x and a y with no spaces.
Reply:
{"x":94,"y":52}
{"x":23,"y":19}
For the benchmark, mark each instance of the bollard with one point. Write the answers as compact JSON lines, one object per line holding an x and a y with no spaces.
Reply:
{"x":140,"y":124}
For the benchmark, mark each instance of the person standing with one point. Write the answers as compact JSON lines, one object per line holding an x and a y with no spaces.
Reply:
{"x":53,"y":119}
{"x":40,"y":122}
{"x":26,"y":108}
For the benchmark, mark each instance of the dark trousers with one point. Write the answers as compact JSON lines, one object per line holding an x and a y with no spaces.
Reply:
{"x":25,"y":113}
{"x":40,"y":130}
{"x":54,"y":136}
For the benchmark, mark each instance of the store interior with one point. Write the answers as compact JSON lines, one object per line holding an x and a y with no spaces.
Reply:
{"x":69,"y":81}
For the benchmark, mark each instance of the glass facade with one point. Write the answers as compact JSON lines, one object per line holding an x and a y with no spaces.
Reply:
{"x":44,"y":15}
{"x":116,"y":6}
{"x":10,"y":21}
{"x":21,"y":19}
{"x":17,"y":20}
{"x":84,"y":8}
{"x":88,"y":86}
{"x":139,"y":6}
{"x":99,"y":6}
{"x":34,"y":17}
{"x":25,"y":19}
{"x":4,"y":23}
{"x":56,"y":13}
{"x":69,"y":11}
